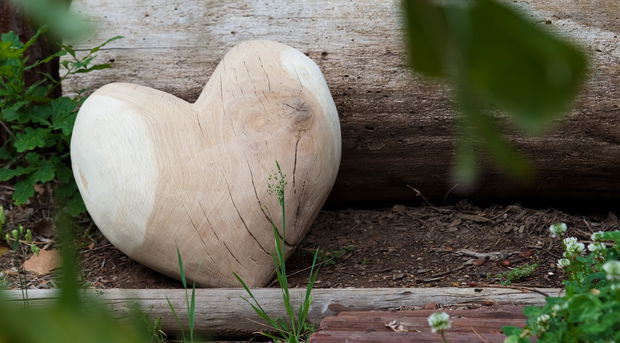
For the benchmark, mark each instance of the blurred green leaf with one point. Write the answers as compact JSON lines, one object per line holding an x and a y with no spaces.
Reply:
{"x":56,"y":15}
{"x":495,"y":59}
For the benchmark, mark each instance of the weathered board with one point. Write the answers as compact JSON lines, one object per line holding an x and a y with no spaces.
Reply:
{"x":397,"y":129}
{"x":223,"y":312}
{"x":473,"y":325}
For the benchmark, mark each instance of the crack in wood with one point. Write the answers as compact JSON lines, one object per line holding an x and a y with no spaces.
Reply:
{"x":215,"y":233}
{"x":241,"y":217}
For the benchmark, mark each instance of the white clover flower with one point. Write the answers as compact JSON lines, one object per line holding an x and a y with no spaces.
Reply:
{"x":563,"y":263}
{"x":615,"y":287}
{"x":555,"y":309}
{"x":598,"y":236}
{"x":557,"y":229}
{"x":439,"y":321}
{"x":543,"y":321}
{"x":596,"y":247}
{"x":572,"y":248}
{"x":612,"y":268}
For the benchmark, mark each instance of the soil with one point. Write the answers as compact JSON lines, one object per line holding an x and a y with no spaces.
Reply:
{"x":425,"y":246}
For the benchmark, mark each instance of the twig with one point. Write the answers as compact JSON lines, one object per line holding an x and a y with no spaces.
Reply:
{"x":445,"y":198}
{"x":479,"y":336}
{"x":428,"y":203}
{"x":524,"y":289}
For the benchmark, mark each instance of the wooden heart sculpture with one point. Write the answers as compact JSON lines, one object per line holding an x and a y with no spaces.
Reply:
{"x":157,"y":173}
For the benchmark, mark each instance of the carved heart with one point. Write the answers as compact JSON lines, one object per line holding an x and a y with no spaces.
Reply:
{"x":157,"y":173}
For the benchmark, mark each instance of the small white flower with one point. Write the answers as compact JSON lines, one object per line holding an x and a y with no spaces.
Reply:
{"x":612,"y":268}
{"x":439,"y":321}
{"x":615,"y":287}
{"x":563,"y":263}
{"x":543,"y":321}
{"x":572,"y":248}
{"x":557,"y":229}
{"x":597,"y":236}
{"x":596,"y":247}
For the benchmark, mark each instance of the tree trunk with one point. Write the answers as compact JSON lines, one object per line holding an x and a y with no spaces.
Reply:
{"x":397,"y":129}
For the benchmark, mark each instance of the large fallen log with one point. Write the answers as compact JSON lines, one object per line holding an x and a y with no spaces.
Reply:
{"x":396,"y":128}
{"x":223,"y":312}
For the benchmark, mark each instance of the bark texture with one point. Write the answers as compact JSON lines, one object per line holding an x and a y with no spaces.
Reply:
{"x":397,"y":129}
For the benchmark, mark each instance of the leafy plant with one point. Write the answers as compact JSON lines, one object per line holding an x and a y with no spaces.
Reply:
{"x":20,"y":241}
{"x":590,"y":309}
{"x":295,"y":328}
{"x":68,"y":318}
{"x":38,"y":126}
{"x":190,"y":305}
{"x":516,"y":274}
{"x":494,"y":58}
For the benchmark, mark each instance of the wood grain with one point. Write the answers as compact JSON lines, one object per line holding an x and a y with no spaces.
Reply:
{"x":397,"y":128}
{"x":412,"y":326}
{"x":159,"y":174}
{"x":223,"y":312}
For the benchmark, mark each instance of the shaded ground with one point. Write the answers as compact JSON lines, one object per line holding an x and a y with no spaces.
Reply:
{"x":458,"y":245}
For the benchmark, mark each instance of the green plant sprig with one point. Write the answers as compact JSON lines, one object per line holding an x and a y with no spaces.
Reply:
{"x":39,"y":126}
{"x":295,"y":328}
{"x":590,"y":309}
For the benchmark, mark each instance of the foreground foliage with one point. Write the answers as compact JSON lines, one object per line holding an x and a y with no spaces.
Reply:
{"x":38,"y":126}
{"x":495,"y":59}
{"x":590,"y":309}
{"x":71,"y":317}
{"x":296,"y":327}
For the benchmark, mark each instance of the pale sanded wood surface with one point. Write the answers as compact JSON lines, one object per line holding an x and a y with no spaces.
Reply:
{"x":159,"y":174}
{"x":396,"y":128}
{"x":223,"y":312}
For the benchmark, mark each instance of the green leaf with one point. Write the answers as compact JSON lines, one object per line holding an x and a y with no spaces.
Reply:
{"x":30,"y":139}
{"x":95,"y":67}
{"x":8,"y":174}
{"x":427,"y":36}
{"x":12,"y":113}
{"x":75,"y":206}
{"x":44,"y":173}
{"x":520,"y":66}
{"x":98,"y":47}
{"x":583,"y":307}
{"x":5,"y":155}
{"x":63,"y":115}
{"x":24,"y":190}
{"x":13,"y":38}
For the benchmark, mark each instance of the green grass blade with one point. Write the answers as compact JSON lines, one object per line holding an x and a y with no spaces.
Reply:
{"x":192,"y":313}
{"x":176,"y":319}
{"x":182,"y":271}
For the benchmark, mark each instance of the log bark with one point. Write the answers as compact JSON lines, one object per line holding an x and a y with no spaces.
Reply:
{"x":223,"y":312}
{"x":397,"y":129}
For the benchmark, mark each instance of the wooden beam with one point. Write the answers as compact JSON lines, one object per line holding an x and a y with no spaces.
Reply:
{"x":223,"y":312}
{"x":397,"y":128}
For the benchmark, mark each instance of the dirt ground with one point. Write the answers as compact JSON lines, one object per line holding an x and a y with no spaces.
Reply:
{"x":426,"y":246}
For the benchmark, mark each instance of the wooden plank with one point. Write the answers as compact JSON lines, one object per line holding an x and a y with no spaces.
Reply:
{"x":402,"y":337}
{"x":467,"y":325}
{"x":222,"y":312}
{"x":396,"y":128}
